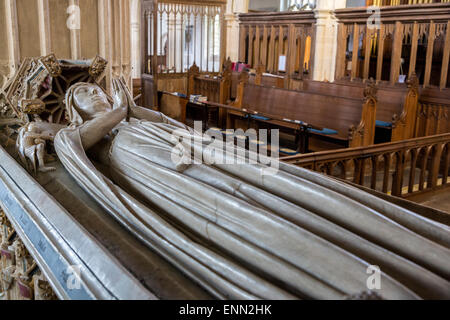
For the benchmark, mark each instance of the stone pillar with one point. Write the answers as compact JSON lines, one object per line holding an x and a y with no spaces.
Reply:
{"x":135,"y":19}
{"x":326,"y":39}
{"x":234,"y":7}
{"x":284,"y":5}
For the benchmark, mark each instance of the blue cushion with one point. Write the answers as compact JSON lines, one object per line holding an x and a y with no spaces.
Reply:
{"x":324,"y":131}
{"x":383,"y":124}
{"x":256,"y":117}
{"x":182,"y":95}
{"x":288,"y":152}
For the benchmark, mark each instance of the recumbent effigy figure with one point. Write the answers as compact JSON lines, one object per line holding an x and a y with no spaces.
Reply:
{"x":236,"y":232}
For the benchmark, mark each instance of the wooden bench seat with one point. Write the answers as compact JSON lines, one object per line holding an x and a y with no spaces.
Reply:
{"x":433,"y":113}
{"x":343,"y":121}
{"x":396,"y":105}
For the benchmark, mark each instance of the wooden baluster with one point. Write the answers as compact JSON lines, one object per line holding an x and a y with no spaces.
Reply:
{"x":340,"y":57}
{"x":445,"y":58}
{"x":440,"y":124}
{"x":362,"y":173}
{"x":355,"y":51}
{"x":343,"y":171}
{"x":330,"y":168}
{"x":250,"y":46}
{"x":414,"y":45}
{"x":397,"y":180}
{"x":373,"y":178}
{"x":312,"y":32}
{"x":257,"y":53}
{"x":423,"y":167}
{"x":264,"y":48}
{"x":428,"y":119}
{"x":430,"y":48}
{"x":412,"y":171}
{"x":290,"y":55}
{"x":302,"y":53}
{"x":280,"y":48}
{"x":387,"y":168}
{"x":356,"y":171}
{"x":369,"y":34}
{"x":271,"y":62}
{"x":446,"y":165}
{"x":396,"y":52}
{"x":435,"y":165}
{"x":381,"y":39}
{"x":242,"y":44}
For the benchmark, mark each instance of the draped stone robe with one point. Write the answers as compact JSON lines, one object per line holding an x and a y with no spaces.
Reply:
{"x":243,"y":235}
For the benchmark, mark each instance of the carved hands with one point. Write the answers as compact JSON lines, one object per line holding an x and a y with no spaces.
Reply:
{"x":121,"y":95}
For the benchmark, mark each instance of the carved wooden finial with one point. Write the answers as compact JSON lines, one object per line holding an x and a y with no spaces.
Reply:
{"x":370,"y":91}
{"x":194,"y":69}
{"x":227,"y":64}
{"x":413,"y":81}
{"x":260,"y":68}
{"x":243,"y":76}
{"x":226,"y":68}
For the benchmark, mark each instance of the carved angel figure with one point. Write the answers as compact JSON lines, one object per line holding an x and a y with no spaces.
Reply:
{"x":31,"y":144}
{"x":238,"y":234}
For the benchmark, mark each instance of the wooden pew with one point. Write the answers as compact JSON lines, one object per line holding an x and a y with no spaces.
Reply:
{"x":266,"y":79}
{"x":258,"y":78}
{"x":217,"y":88}
{"x":433,"y":112}
{"x":348,"y":122}
{"x":396,"y":105}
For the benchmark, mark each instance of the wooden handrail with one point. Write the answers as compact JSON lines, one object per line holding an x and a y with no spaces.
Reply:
{"x":402,"y":168}
{"x":333,"y":155}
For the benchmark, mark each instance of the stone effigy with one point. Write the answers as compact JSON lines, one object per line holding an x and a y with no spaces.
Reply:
{"x":234,"y":229}
{"x":238,"y":233}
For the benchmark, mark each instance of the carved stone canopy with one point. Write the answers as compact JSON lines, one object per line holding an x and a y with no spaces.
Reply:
{"x":37,"y":90}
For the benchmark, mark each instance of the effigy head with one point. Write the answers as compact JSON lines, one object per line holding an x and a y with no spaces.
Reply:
{"x":84,"y":101}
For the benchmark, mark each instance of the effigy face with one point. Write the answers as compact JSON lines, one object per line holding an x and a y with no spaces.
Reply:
{"x":90,"y":100}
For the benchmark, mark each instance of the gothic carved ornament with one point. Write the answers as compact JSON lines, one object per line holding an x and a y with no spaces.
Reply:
{"x":20,"y":277}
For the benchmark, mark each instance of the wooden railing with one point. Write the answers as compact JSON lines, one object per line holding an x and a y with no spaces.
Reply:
{"x":408,"y":39}
{"x":401,"y":168}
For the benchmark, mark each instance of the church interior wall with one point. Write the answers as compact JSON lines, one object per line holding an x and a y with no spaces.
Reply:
{"x":33,"y":28}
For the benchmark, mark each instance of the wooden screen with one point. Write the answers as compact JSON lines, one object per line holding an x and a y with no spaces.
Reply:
{"x":407,"y":40}
{"x":179,"y":33}
{"x":265,"y":37}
